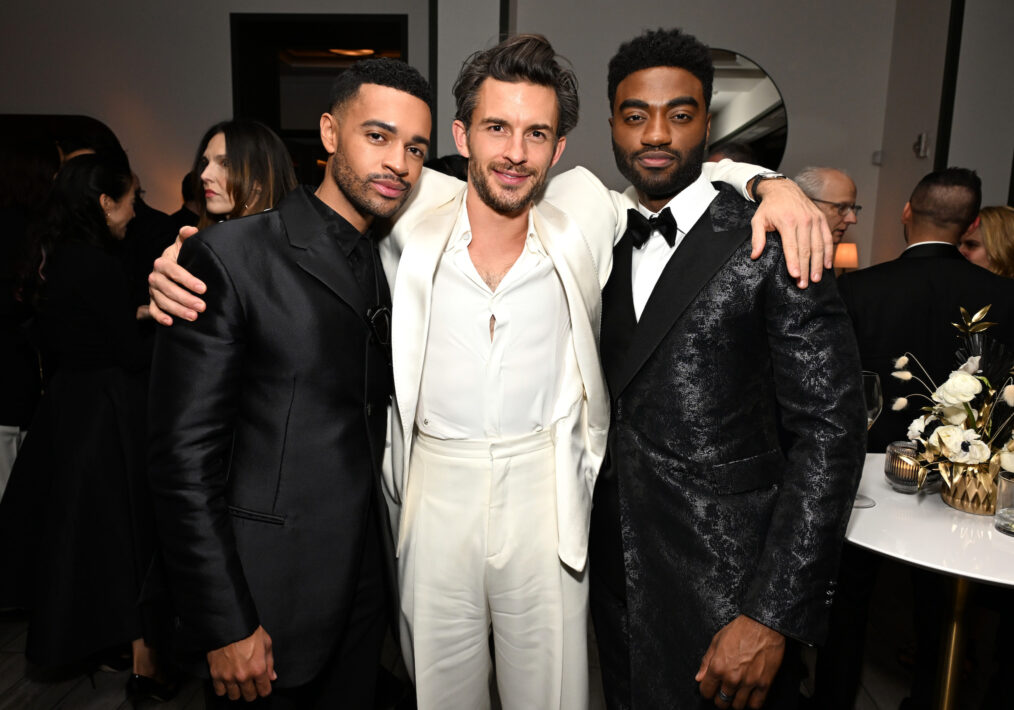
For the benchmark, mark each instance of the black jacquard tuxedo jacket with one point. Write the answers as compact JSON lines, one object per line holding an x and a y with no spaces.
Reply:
{"x":908,"y":305}
{"x":267,"y":423}
{"x":736,"y":445}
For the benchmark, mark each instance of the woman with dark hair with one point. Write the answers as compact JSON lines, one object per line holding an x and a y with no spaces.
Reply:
{"x":77,"y":503}
{"x":244,"y":168}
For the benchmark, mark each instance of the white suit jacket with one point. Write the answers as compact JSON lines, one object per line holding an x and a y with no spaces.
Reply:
{"x":578,"y":221}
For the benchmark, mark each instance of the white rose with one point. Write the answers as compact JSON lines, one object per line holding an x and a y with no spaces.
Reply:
{"x":954,"y":415}
{"x":959,"y":388}
{"x":916,"y":428}
{"x":948,"y":438}
{"x":1007,"y":461}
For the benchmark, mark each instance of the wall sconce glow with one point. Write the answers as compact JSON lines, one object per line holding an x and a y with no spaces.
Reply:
{"x":352,"y":52}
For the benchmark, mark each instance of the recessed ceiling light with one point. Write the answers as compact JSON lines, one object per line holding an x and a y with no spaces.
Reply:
{"x":352,"y":52}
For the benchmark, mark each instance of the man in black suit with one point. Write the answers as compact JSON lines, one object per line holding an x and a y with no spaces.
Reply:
{"x":268,"y":418}
{"x":908,"y":305}
{"x":737,"y":432}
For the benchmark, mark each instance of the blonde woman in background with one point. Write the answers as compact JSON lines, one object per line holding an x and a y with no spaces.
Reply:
{"x":991,"y":246}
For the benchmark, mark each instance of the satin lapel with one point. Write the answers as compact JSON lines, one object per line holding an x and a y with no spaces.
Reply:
{"x":571,"y":258}
{"x":413,"y":293}
{"x":619,"y":280}
{"x":319,"y":254}
{"x":701,"y":254}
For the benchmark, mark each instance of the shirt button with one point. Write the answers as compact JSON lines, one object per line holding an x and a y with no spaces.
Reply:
{"x":426,"y":422}
{"x":538,"y":428}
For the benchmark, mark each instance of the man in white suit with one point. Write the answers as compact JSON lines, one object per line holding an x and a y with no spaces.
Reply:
{"x":501,"y":402}
{"x":502,"y":412}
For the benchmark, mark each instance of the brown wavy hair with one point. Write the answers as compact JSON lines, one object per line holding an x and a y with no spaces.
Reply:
{"x":529,"y":58}
{"x":259,"y":164}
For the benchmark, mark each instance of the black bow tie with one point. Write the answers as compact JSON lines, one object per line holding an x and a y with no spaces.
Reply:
{"x":641,"y":227}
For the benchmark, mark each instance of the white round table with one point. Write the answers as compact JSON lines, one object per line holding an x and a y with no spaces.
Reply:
{"x":920,"y":529}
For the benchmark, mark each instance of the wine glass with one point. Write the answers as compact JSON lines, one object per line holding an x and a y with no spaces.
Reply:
{"x":874,"y":398}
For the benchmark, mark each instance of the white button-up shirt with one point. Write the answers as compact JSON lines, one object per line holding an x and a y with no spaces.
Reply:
{"x":648,"y":262}
{"x":475,"y":387}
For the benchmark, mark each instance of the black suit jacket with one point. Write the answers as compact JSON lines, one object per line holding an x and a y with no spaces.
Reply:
{"x":267,"y":421}
{"x":736,"y":446}
{"x":908,"y":305}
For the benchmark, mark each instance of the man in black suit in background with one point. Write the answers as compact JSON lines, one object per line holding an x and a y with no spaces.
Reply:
{"x":268,"y":418}
{"x":908,"y":305}
{"x":736,"y":438}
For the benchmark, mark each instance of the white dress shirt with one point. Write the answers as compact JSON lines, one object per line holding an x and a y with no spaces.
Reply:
{"x":648,"y":262}
{"x":475,"y":387}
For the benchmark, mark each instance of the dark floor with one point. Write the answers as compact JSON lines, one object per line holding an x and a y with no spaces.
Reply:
{"x":885,"y":678}
{"x":23,"y":687}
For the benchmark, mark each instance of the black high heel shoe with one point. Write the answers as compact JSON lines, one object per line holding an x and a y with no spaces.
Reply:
{"x":141,"y":687}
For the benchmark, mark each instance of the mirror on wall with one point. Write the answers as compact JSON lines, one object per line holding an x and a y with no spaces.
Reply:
{"x":748,"y":119}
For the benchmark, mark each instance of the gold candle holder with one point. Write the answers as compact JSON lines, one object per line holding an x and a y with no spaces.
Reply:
{"x":902,"y":474}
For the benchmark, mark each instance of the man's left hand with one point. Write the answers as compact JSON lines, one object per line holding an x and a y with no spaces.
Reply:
{"x":806,"y":239}
{"x":740,"y":664}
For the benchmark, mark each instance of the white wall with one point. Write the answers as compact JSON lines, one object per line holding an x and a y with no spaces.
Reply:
{"x":157,"y":73}
{"x":829,"y":60}
{"x":916,"y":80}
{"x":464,"y":26}
{"x":982,"y":134}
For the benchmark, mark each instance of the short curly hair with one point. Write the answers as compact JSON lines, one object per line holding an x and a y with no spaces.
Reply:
{"x":527,"y":57}
{"x":662,"y":48}
{"x":382,"y":71}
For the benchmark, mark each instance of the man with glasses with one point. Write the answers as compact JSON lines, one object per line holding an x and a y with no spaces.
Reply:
{"x":907,"y":305}
{"x":834,"y":193}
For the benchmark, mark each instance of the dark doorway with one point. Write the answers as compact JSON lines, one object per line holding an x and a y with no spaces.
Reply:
{"x":283,"y":66}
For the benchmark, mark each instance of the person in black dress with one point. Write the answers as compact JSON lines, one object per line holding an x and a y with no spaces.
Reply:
{"x":78,"y":501}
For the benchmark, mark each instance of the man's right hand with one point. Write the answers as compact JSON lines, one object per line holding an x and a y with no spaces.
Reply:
{"x":172,"y":287}
{"x":244,"y":668}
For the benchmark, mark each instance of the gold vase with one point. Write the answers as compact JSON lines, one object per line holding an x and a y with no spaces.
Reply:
{"x":972,"y":489}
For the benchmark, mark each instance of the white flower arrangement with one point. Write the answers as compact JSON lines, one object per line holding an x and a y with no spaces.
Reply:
{"x":966,"y":427}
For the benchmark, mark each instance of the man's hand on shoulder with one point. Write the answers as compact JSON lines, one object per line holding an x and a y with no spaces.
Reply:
{"x":244,"y":668}
{"x":740,"y":664}
{"x":172,"y":287}
{"x":806,"y":239}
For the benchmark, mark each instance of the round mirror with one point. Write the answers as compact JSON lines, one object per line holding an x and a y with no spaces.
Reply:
{"x":748,"y":121}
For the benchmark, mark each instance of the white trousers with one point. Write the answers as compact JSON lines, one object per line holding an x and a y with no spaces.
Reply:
{"x":480,"y":551}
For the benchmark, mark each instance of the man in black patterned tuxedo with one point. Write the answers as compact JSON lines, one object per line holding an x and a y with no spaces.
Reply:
{"x":738,"y":424}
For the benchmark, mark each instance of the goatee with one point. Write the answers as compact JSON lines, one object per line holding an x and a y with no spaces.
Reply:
{"x":508,"y":201}
{"x":661,"y":184}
